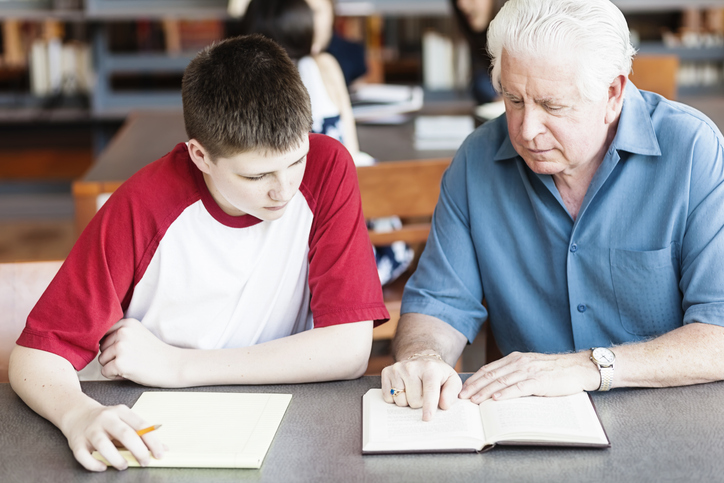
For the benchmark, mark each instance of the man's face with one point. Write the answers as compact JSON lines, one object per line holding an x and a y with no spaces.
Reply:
{"x":257,"y":183}
{"x":553,"y":128}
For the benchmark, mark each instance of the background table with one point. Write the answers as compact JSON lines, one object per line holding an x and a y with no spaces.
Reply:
{"x":672,"y":434}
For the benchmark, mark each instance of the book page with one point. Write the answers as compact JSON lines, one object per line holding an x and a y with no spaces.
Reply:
{"x":560,"y":419}
{"x":212,"y":430}
{"x":387,"y":427}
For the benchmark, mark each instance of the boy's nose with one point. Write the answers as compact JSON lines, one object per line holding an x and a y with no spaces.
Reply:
{"x":282,"y":190}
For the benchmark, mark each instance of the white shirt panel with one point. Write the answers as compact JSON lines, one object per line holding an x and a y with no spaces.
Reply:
{"x":250,"y":287}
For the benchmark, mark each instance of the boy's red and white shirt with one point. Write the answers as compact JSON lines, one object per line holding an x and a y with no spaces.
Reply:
{"x":162,"y":251}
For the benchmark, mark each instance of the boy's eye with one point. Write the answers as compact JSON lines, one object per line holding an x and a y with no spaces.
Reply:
{"x":254,"y":178}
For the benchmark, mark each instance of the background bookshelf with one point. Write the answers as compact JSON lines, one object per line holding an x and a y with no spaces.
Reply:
{"x":138,"y":49}
{"x":148,"y":75}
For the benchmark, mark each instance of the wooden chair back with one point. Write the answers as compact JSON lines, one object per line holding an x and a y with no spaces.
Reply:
{"x":656,"y":73}
{"x":21,"y":285}
{"x":409,"y":190}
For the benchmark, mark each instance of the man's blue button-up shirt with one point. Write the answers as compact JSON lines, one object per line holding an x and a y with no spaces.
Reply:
{"x":644,"y":256}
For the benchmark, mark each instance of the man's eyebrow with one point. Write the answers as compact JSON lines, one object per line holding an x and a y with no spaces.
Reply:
{"x":506,"y":93}
{"x":539,"y":100}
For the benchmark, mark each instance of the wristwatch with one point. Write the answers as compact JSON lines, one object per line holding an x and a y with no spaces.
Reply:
{"x":604,"y":359}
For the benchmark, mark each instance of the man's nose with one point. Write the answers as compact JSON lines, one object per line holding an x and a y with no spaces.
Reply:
{"x":532,"y":123}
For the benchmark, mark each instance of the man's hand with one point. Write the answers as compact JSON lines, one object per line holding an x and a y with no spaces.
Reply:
{"x":530,"y":374}
{"x":428,"y":382}
{"x":97,"y":428}
{"x":130,"y":351}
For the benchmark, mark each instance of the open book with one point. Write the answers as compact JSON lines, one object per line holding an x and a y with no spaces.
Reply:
{"x":211,"y":430}
{"x":553,"y":421}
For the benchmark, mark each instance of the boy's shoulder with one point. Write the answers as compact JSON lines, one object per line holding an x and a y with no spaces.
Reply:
{"x":328,"y":162}
{"x":170,"y":179}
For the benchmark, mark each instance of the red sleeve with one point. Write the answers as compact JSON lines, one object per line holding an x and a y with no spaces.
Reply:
{"x":94,"y":286}
{"x":343,"y":277}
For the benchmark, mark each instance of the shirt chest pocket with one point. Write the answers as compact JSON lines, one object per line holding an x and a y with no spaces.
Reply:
{"x":646,"y":286}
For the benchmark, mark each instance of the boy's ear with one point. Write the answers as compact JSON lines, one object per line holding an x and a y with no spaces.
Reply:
{"x":199,"y":156}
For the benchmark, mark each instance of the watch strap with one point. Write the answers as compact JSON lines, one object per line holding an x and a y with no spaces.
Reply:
{"x":606,"y":377}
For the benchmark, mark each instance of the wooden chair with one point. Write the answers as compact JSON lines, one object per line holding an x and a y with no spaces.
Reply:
{"x":656,"y":73}
{"x":409,"y":190}
{"x":21,"y":285}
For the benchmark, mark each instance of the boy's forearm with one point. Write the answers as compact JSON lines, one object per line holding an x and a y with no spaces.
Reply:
{"x":48,"y":384}
{"x":324,"y":354}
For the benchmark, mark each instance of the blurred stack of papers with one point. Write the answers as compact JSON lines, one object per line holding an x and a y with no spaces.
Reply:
{"x":442,"y":132}
{"x":384,"y":103}
{"x":491,"y":110}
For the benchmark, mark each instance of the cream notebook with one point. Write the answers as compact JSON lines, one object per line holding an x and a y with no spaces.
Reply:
{"x":211,"y":430}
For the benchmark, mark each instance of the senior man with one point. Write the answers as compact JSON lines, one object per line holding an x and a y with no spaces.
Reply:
{"x":589,"y":217}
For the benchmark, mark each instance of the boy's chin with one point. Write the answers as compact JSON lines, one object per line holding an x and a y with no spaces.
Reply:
{"x":270,"y":215}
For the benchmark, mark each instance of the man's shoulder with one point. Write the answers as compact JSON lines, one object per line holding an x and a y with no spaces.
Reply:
{"x":488,"y":139}
{"x":486,"y":151}
{"x":687,"y":121}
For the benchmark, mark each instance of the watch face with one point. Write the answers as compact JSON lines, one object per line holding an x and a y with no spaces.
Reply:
{"x":603,"y":356}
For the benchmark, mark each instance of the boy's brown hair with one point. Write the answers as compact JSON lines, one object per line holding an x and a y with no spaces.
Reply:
{"x":245,"y":94}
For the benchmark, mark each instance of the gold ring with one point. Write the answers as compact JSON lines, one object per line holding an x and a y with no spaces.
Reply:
{"x":394,"y":392}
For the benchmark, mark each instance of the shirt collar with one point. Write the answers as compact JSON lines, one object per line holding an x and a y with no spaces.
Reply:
{"x":635,"y":132}
{"x":506,"y":150}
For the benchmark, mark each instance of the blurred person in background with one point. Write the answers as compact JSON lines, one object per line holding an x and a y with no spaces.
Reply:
{"x":304,"y":29}
{"x":473,"y":17}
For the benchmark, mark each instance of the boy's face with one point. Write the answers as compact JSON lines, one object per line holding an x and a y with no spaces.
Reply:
{"x":256,"y":183}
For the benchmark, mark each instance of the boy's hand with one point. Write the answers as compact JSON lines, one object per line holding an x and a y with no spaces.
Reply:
{"x":95,"y":429}
{"x":130,"y":351}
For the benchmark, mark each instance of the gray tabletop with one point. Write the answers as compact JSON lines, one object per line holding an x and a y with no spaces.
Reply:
{"x":656,"y":435}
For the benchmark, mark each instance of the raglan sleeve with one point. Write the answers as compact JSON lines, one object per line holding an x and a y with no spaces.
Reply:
{"x":91,"y":289}
{"x":343,"y":279}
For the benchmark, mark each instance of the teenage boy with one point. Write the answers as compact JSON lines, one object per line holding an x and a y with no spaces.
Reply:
{"x":212,"y":264}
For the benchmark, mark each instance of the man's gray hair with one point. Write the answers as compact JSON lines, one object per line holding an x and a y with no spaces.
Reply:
{"x":595,"y":32}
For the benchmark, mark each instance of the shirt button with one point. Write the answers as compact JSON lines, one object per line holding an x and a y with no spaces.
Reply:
{"x":581,"y":308}
{"x":574,"y":247}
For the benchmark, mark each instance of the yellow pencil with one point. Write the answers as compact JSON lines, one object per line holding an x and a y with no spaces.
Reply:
{"x":147,"y":430}
{"x":140,"y":432}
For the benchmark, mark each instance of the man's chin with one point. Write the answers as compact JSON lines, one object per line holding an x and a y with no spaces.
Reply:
{"x":544,"y":166}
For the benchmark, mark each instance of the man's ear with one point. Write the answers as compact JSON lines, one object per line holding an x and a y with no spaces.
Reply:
{"x":199,"y":156}
{"x":615,"y":98}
